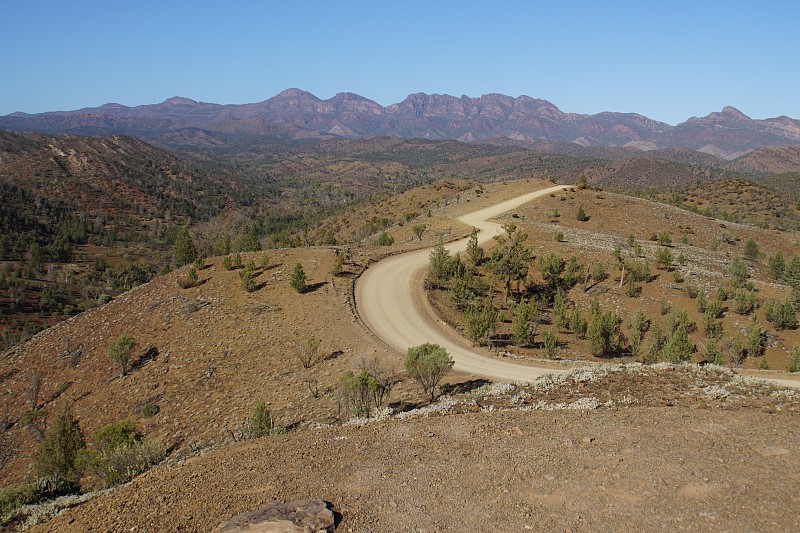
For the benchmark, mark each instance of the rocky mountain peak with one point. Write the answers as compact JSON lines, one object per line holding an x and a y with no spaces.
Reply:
{"x":179,"y":100}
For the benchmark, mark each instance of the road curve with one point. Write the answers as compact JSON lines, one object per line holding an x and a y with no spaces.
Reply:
{"x":389,"y":300}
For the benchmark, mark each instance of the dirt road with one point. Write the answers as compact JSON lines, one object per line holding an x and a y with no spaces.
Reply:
{"x":390,"y":301}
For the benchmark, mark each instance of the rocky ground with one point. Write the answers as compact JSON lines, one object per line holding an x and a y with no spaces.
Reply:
{"x":654,"y":469}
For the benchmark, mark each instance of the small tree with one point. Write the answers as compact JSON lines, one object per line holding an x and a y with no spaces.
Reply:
{"x":474,"y":251}
{"x":550,"y":344}
{"x":248,"y":281}
{"x":754,"y":341}
{"x":602,"y":330}
{"x":55,"y":460}
{"x":580,"y":214}
{"x":427,"y":364}
{"x":551,"y":267}
{"x":712,"y":353}
{"x":663,"y":258}
{"x":261,"y":422}
{"x":183,"y":250}
{"x":781,"y":314}
{"x":738,"y":273}
{"x":440,"y":265}
{"x":480,"y":322}
{"x":750,"y":250}
{"x":298,"y":279}
{"x":120,"y":352}
{"x":523,"y":325}
{"x":794,"y":359}
{"x":777,"y":266}
{"x":357,"y":392}
{"x":678,"y":346}
{"x":419,"y":230}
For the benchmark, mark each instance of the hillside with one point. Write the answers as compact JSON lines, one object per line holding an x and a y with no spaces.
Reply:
{"x":769,"y":161}
{"x":205,"y":356}
{"x":84,"y":218}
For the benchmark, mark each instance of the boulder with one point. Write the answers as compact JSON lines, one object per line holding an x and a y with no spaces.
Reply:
{"x":301,"y":516}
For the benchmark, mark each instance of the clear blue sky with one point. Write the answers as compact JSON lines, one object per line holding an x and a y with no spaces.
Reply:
{"x":667,"y":60}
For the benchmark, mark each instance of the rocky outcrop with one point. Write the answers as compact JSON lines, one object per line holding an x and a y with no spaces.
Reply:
{"x":301,"y":516}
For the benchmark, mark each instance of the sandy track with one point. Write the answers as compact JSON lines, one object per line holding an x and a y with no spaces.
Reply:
{"x":390,"y":301}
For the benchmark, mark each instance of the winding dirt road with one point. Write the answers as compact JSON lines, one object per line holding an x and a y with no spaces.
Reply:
{"x":390,"y":301}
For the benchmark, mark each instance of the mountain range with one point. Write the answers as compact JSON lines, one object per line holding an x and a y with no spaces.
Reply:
{"x":493,"y":118}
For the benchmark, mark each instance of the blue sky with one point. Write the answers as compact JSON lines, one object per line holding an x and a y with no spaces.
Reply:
{"x":666,"y":60}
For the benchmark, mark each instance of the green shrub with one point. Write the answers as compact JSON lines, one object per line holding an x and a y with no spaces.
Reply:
{"x":750,"y":250}
{"x":781,"y":314}
{"x":262,"y":423}
{"x":427,"y":364}
{"x":15,"y":496}
{"x":190,"y":280}
{"x":738,"y":273}
{"x":298,"y":279}
{"x":777,"y":266}
{"x":754,"y":339}
{"x":602,"y":330}
{"x":358,"y":393}
{"x":559,"y":236}
{"x":385,"y":239}
{"x":523,"y":325}
{"x":712,"y":353}
{"x":580,"y":214}
{"x":598,"y":272}
{"x":550,"y":344}
{"x":247,"y":276}
{"x":56,"y":458}
{"x":480,"y":322}
{"x":744,"y":301}
{"x":119,"y":453}
{"x":678,"y":347}
{"x":663,"y":258}
{"x":120,"y":352}
{"x":794,"y":359}
{"x":440,"y":265}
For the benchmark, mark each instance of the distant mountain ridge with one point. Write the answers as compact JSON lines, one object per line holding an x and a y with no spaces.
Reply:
{"x":297,"y":114}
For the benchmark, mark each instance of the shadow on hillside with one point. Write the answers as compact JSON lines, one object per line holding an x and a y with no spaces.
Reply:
{"x":464,"y":387}
{"x":314,"y":286}
{"x":149,"y":355}
{"x":333,"y":355}
{"x":402,"y":406}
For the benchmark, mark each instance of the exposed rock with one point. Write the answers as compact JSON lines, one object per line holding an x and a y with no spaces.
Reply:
{"x":298,"y":516}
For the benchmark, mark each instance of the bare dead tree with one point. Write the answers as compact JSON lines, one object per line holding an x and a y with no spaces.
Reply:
{"x":33,"y":389}
{"x":308,"y":352}
{"x":384,"y":374}
{"x":313,"y":387}
{"x":71,"y":356}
